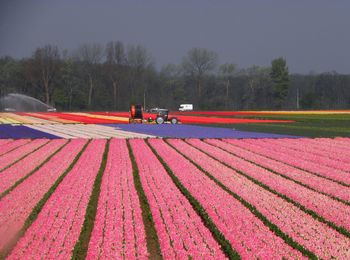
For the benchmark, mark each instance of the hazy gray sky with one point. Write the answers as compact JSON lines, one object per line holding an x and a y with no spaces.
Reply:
{"x":310,"y":34}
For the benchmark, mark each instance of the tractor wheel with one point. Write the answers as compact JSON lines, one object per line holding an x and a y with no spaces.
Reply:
{"x":159,"y":120}
{"x":173,"y":120}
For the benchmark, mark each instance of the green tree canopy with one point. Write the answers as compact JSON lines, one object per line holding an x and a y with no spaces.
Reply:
{"x":280,"y":78}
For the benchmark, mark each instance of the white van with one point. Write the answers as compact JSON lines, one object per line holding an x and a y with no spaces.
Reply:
{"x":186,"y":107}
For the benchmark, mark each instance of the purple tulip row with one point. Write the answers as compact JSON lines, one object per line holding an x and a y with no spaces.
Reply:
{"x":181,"y":233}
{"x":296,"y":161}
{"x":20,"y":169}
{"x":118,"y":230}
{"x":313,"y":235}
{"x":13,"y":156}
{"x":246,"y":233}
{"x":56,"y":229}
{"x":16,"y":206}
{"x":259,"y":157}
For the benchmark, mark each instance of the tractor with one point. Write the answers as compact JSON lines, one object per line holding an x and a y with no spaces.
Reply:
{"x":158,"y":116}
{"x":163,"y":117}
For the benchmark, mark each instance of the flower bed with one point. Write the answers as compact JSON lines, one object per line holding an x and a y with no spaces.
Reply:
{"x":118,"y":228}
{"x":29,"y":192}
{"x":55,"y":231}
{"x":181,"y":233}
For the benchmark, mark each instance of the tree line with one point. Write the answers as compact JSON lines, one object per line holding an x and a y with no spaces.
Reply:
{"x":111,"y":77}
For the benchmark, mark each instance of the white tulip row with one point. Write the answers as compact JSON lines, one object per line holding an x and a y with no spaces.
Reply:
{"x":85,"y":131}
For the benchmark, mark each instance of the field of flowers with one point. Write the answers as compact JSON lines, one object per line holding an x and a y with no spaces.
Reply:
{"x":123,"y":117}
{"x":175,"y":198}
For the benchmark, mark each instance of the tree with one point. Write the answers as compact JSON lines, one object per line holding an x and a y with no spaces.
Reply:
{"x":115,"y":67}
{"x":197,"y":63}
{"x":172,"y":90}
{"x":90,"y":55}
{"x":70,"y":79}
{"x":280,"y":78}
{"x":11,"y":76}
{"x":44,"y":65}
{"x":138,"y":60}
{"x":227,"y":71}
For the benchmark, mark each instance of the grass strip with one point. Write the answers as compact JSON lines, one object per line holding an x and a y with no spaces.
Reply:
{"x":36,"y":210}
{"x":32,"y":172}
{"x":313,"y":214}
{"x":152,"y":239}
{"x":275,"y":229}
{"x":81,"y":246}
{"x":218,"y":236}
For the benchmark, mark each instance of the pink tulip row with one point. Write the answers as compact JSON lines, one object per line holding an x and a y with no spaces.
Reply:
{"x":4,"y":141}
{"x":56,"y":229}
{"x":324,"y":206}
{"x":320,"y":184}
{"x":246,"y":233}
{"x":301,"y":227}
{"x":281,"y":147}
{"x":16,"y":206}
{"x":181,"y":233}
{"x":118,"y":230}
{"x":19,"y":170}
{"x":328,"y":143}
{"x":11,"y":145}
{"x":342,"y":141}
{"x":11,"y":157}
{"x":295,"y":161}
{"x":318,"y":148}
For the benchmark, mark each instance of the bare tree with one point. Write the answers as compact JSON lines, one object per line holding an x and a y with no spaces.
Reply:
{"x":90,"y":55}
{"x":197,"y":63}
{"x":256,"y":76}
{"x":44,"y":65}
{"x":227,"y":71}
{"x":115,"y":67}
{"x":139,"y":60}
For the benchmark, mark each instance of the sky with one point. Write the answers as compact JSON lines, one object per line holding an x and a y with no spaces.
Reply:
{"x":312,"y":35}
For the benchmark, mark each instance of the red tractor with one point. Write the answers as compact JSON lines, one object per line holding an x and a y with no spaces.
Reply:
{"x":161,"y":116}
{"x":136,"y":114}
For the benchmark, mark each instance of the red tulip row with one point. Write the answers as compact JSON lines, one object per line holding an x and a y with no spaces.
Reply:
{"x":298,"y":225}
{"x":246,"y":233}
{"x":118,"y":230}
{"x":19,"y":170}
{"x":57,"y":227}
{"x":16,"y":206}
{"x":181,"y":233}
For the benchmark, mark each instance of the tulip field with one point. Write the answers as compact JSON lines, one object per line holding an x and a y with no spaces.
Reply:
{"x":141,"y":197}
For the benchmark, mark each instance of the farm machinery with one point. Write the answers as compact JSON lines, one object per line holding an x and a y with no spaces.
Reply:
{"x":154,"y":116}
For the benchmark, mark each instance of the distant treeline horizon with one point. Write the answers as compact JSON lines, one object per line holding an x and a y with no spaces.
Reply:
{"x":111,"y":77}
